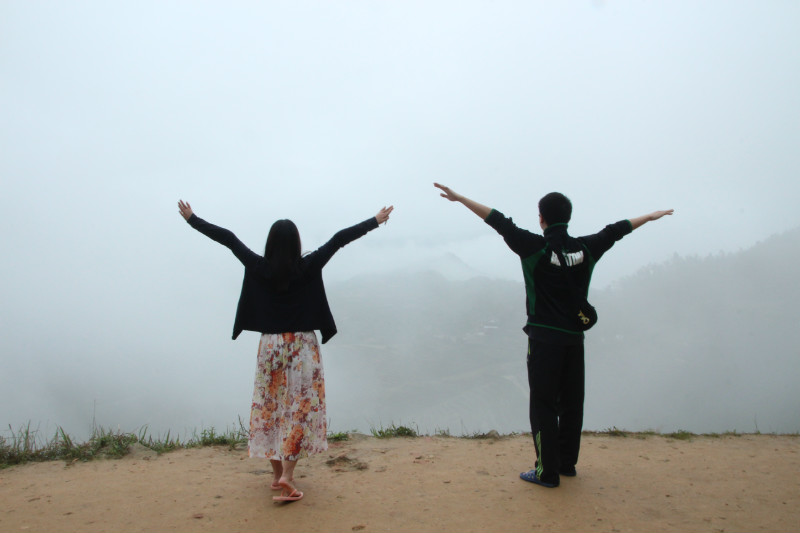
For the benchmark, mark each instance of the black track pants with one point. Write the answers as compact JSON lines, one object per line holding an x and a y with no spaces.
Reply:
{"x":556,"y":379}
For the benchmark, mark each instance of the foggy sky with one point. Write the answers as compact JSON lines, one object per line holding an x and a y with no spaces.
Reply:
{"x":324,"y":112}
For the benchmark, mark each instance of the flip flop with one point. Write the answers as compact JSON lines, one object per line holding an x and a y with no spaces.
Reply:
{"x":293,"y":497}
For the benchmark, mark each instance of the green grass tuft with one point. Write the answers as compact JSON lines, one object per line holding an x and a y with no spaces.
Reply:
{"x":491,"y":434}
{"x":681,"y":434}
{"x":27,"y":445}
{"x":338,"y":437}
{"x":393,"y":431}
{"x":616,"y":432}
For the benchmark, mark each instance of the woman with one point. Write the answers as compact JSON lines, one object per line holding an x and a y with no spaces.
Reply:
{"x":283,"y":298}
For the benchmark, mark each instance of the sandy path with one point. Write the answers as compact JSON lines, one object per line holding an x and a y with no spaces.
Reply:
{"x":746,"y":483}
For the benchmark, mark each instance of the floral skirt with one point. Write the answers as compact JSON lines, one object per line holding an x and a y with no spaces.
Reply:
{"x":287,"y":417}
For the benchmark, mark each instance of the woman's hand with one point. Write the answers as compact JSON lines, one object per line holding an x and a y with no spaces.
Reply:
{"x":185,"y":209}
{"x":383,"y":214}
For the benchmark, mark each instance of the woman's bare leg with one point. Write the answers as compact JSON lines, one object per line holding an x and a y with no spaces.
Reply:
{"x":287,"y":477}
{"x":289,"y":492}
{"x":277,"y":472}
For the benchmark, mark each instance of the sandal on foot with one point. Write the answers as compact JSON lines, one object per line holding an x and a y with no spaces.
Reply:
{"x":293,"y":497}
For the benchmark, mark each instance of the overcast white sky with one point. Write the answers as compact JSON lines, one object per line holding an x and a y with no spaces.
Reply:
{"x":324,"y":112}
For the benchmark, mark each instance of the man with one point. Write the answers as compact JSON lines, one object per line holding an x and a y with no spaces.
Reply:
{"x":555,"y":340}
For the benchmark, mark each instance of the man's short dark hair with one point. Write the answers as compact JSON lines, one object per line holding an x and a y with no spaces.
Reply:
{"x":555,"y":208}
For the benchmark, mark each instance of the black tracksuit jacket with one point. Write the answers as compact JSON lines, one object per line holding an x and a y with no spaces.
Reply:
{"x":548,"y":295}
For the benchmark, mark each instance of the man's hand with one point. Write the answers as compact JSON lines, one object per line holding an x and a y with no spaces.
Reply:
{"x":655,"y":215}
{"x":447,"y":192}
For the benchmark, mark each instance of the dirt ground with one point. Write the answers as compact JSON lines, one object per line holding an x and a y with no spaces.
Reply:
{"x":424,"y":484}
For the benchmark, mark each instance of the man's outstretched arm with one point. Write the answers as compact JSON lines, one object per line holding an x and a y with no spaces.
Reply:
{"x":479,"y":209}
{"x":522,"y":242}
{"x":655,"y":215}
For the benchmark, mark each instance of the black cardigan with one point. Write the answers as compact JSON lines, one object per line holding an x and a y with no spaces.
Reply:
{"x":304,"y":306}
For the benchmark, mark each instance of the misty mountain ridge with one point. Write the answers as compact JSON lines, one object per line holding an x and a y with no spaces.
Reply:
{"x":448,"y":265}
{"x":693,"y":343}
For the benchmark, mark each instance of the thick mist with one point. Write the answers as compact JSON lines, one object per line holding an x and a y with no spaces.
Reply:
{"x":699,"y":344}
{"x":675,"y":348}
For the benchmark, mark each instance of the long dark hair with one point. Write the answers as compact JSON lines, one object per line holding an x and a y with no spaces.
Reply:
{"x":282,"y":252}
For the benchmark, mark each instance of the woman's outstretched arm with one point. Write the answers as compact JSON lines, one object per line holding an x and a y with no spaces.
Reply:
{"x":323,"y":254}
{"x":185,"y":209}
{"x":383,"y":214}
{"x":223,"y":236}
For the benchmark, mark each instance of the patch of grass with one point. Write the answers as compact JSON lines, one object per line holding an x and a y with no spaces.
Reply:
{"x":393,"y":431}
{"x":623,"y":433}
{"x":161,"y":445}
{"x":22,"y":446}
{"x":105,"y":443}
{"x":27,"y":445}
{"x":210,"y":437}
{"x":491,"y":434}
{"x":681,"y":434}
{"x":338,"y":437}
{"x":207,"y":437}
{"x":615,"y":432}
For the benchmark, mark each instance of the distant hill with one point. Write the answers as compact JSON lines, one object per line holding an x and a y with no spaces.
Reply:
{"x":430,"y":351}
{"x":703,"y":344}
{"x":698,"y":342}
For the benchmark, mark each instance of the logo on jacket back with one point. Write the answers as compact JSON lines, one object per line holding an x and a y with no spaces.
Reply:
{"x":572,"y":258}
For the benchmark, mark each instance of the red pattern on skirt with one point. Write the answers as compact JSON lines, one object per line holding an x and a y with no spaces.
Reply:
{"x":287,"y":417}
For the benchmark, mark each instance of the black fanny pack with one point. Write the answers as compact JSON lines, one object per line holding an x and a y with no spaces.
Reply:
{"x":587,"y":315}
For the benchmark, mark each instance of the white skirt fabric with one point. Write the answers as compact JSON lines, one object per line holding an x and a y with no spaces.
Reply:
{"x":287,"y":417}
